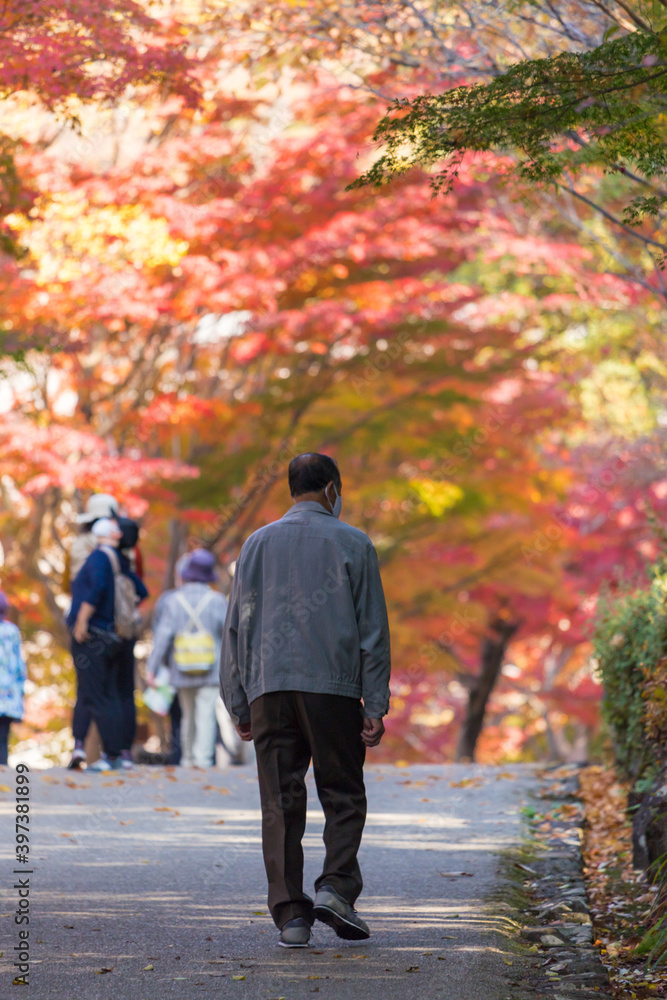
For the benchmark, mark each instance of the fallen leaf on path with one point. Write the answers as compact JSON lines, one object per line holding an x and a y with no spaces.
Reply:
{"x":504,"y":774}
{"x":113,"y":784}
{"x":100,"y":972}
{"x":507,"y":961}
{"x":126,"y":822}
{"x":238,"y":978}
{"x":5,"y":788}
{"x":163,"y":809}
{"x":149,"y":968}
{"x":217,"y":822}
{"x":467,"y":783}
{"x":456,"y":874}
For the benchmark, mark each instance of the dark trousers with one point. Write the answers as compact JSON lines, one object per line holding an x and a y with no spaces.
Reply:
{"x":5,"y":723}
{"x":175,"y":748}
{"x":82,"y":716}
{"x":97,"y":663}
{"x":128,"y":709}
{"x":289,"y":728}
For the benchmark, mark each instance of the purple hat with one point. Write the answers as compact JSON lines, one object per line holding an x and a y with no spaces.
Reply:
{"x":4,"y":605}
{"x":199,"y":567}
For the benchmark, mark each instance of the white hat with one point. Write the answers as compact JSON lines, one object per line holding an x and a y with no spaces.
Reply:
{"x":105,"y":528}
{"x":99,"y":505}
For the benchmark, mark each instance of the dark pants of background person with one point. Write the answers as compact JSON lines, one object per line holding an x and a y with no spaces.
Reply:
{"x":82,"y":716}
{"x":175,"y":748}
{"x":289,"y":728}
{"x":5,"y":723}
{"x":97,"y":663}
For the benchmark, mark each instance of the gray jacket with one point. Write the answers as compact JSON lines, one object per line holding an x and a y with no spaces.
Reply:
{"x":306,"y":613}
{"x":170,"y":618}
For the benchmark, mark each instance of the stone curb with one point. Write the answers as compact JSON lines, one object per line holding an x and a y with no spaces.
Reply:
{"x":559,"y":928}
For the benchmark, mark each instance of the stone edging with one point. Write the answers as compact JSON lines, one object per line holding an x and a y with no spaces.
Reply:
{"x":557,"y":923}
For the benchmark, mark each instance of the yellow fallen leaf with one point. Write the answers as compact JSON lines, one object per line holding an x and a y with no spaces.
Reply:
{"x":238,"y":978}
{"x":149,"y":968}
{"x":259,"y":913}
{"x":162,"y":809}
{"x":508,"y":961}
{"x":5,"y":788}
{"x":126,"y":822}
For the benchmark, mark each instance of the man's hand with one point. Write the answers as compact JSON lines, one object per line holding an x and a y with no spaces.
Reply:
{"x":245,"y":732}
{"x":372,"y":732}
{"x":80,"y":631}
{"x":151,"y":682}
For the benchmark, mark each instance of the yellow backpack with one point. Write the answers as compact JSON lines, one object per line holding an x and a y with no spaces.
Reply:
{"x":194,"y":646}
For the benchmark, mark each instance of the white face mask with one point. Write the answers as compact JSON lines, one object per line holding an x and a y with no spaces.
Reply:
{"x":337,"y":505}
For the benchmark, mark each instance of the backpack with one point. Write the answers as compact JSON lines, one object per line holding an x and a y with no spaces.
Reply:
{"x":194,"y":646}
{"x":127,"y":619}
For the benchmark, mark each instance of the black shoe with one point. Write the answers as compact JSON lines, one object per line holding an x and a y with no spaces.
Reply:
{"x":335,"y":911}
{"x":295,"y":933}
{"x":78,"y":758}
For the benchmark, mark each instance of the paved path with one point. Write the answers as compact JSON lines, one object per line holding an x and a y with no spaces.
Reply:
{"x":163,"y":869}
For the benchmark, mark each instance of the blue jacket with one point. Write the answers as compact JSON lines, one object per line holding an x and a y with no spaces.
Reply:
{"x":12,"y":671}
{"x":94,"y":584}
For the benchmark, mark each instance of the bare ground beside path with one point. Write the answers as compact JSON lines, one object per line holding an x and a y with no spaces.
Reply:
{"x":163,"y":869}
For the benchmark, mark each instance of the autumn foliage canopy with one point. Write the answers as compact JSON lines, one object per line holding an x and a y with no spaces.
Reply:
{"x":192,"y":294}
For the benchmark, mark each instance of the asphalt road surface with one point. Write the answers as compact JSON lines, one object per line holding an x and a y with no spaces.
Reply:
{"x":150,"y":885}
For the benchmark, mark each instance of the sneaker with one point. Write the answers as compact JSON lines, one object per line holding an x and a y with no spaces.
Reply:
{"x":126,"y":761}
{"x":104,"y":764}
{"x":295,"y":933}
{"x":78,"y":758}
{"x":335,"y":911}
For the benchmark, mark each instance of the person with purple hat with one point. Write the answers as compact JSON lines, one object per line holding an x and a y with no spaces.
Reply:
{"x":12,"y":676}
{"x":188,"y":638}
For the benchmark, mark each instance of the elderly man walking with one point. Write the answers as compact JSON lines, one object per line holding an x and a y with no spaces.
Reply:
{"x":305,"y":675}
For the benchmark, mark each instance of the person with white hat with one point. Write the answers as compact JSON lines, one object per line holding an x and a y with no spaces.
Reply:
{"x":97,"y":506}
{"x":98,"y":649}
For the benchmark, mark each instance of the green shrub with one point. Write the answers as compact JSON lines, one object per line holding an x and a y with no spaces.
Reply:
{"x":630,"y":641}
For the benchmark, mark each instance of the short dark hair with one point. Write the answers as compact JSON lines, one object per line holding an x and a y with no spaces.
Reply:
{"x":310,"y":473}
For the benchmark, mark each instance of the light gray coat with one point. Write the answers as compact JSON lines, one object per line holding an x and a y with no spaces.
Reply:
{"x":306,"y":613}
{"x":170,"y":618}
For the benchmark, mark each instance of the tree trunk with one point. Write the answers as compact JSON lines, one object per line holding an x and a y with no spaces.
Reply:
{"x":178,"y":534}
{"x":492,"y":655}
